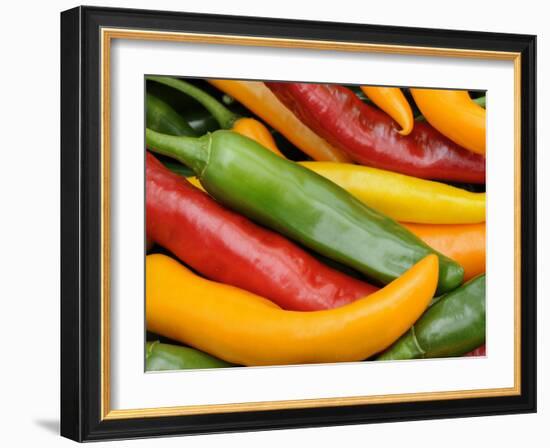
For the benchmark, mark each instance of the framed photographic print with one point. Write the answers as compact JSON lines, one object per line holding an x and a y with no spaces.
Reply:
{"x":275,"y":224}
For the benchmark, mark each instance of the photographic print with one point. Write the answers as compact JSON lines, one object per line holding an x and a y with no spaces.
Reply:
{"x":294,"y":223}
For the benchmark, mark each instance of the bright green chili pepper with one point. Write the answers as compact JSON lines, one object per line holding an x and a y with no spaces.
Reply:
{"x":161,"y":117}
{"x":160,"y":356}
{"x":452,"y":326}
{"x":302,"y":205}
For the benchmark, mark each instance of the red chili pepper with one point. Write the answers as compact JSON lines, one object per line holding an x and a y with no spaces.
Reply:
{"x":228,"y":248}
{"x":480,"y":351}
{"x":372,"y":138}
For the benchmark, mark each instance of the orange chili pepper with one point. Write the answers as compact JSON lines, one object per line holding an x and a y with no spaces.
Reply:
{"x":392,"y":101}
{"x":464,"y":243}
{"x":243,"y":328}
{"x":251,"y":128}
{"x":255,"y":96}
{"x":455,"y":115}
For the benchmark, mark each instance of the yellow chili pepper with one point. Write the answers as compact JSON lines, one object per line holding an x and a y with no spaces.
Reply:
{"x":242,"y":328}
{"x":455,"y":115}
{"x":259,"y":99}
{"x":392,"y":101}
{"x":403,"y":198}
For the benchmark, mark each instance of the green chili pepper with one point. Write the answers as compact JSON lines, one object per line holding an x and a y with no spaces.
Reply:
{"x":452,"y":326}
{"x":302,"y":205}
{"x":193,"y":113}
{"x":161,"y":117}
{"x":201,"y":121}
{"x":160,"y":356}
{"x":225,"y":117}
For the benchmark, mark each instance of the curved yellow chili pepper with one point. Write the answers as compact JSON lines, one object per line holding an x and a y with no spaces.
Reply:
{"x":259,"y":99}
{"x":455,"y":115}
{"x":401,"y":197}
{"x":392,"y":101}
{"x":242,"y":328}
{"x":405,"y":198}
{"x":253,"y":129}
{"x":464,"y":243}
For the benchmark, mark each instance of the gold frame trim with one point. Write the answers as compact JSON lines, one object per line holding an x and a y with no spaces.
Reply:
{"x":107,"y":35}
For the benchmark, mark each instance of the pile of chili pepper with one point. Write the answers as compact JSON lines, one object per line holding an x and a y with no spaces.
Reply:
{"x":292,"y":223}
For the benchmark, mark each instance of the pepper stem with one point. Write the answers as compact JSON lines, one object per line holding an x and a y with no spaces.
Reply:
{"x":190,"y":151}
{"x":222,"y":114}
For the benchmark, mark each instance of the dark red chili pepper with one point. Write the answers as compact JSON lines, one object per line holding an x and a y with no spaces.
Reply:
{"x":371,"y":137}
{"x":227,"y":247}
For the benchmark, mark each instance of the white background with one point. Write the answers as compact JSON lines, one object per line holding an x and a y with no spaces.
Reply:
{"x":29,"y":189}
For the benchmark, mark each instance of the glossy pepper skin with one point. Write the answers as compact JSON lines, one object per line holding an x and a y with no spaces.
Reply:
{"x":255,"y":96}
{"x":160,"y":356}
{"x":231,"y":249}
{"x":455,"y":115}
{"x":302,"y":205}
{"x":405,"y":198}
{"x":248,"y":127}
{"x":392,"y":101}
{"x":369,"y":136}
{"x":463,"y":243}
{"x":453,"y":326}
{"x":243,"y":328}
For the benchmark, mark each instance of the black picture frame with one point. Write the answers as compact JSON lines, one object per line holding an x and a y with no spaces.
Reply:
{"x":81,"y":213}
